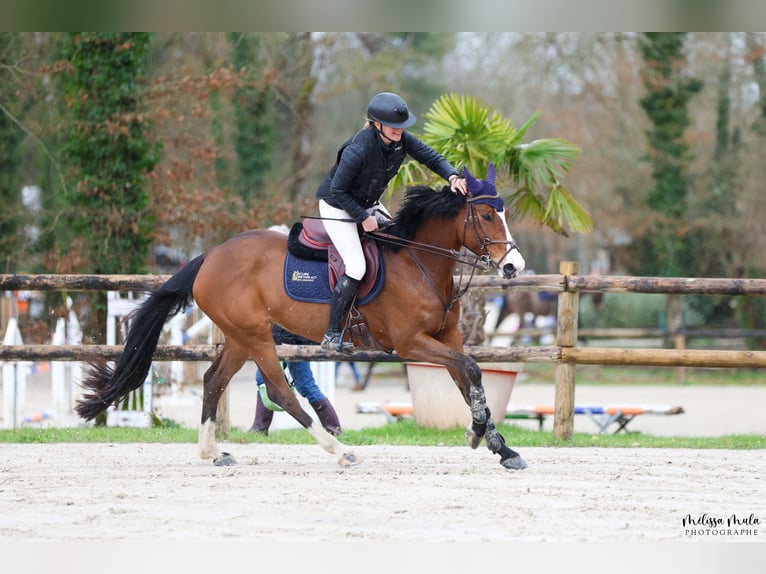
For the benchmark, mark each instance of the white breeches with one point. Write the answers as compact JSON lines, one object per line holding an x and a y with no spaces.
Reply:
{"x":345,"y":236}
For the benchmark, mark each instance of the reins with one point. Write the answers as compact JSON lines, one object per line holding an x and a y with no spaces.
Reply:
{"x":474,"y":261}
{"x":477,"y":261}
{"x":456,"y":256}
{"x":482,"y":261}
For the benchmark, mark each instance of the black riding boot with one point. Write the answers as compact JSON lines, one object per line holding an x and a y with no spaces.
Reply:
{"x":342,"y":297}
{"x":263,"y":417}
{"x":327,"y":416}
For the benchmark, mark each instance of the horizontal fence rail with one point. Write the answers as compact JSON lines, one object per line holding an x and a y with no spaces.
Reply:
{"x":81,"y":282}
{"x":549,"y":283}
{"x":666,"y":285}
{"x":663,"y":357}
{"x":285,"y":352}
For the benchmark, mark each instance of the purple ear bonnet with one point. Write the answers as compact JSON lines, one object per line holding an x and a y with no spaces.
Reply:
{"x":485,"y":188}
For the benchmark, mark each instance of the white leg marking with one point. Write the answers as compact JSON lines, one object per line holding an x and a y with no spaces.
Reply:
{"x":325,"y":439}
{"x":208,"y":449}
{"x":334,"y":446}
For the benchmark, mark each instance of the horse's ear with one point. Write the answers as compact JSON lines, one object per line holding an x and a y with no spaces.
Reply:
{"x":491,"y":173}
{"x":474,"y":185}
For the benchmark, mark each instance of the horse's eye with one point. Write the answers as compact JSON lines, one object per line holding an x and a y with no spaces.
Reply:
{"x":487,"y":217}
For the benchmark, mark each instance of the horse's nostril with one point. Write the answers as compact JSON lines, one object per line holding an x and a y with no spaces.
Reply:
{"x":509,"y":270}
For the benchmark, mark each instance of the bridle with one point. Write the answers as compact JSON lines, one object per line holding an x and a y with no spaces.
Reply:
{"x":481,"y":236}
{"x":483,"y":260}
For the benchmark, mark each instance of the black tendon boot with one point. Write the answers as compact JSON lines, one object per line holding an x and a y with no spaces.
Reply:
{"x":263,"y":417}
{"x":327,"y":416}
{"x":342,"y":297}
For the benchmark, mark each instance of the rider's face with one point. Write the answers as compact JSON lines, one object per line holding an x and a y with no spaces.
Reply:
{"x":390,"y":134}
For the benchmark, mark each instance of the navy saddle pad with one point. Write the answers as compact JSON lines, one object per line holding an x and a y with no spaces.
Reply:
{"x":309,"y":280}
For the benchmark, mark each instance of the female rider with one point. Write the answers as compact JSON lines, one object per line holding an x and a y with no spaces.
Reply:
{"x":350,"y":194}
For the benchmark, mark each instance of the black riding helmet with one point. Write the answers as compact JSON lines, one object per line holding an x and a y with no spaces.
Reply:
{"x":390,"y":110}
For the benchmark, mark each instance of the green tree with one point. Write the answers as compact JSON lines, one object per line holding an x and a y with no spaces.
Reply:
{"x":753,"y":309}
{"x":712,"y":217}
{"x":254,"y":136}
{"x":666,"y":103}
{"x":11,"y":134}
{"x":469,"y":133}
{"x":109,"y":151}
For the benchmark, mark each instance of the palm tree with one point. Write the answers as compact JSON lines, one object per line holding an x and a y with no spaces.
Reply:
{"x":469,"y":133}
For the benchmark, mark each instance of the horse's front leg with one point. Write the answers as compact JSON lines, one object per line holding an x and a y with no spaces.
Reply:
{"x":481,"y":418}
{"x":468,"y":378}
{"x":464,"y":370}
{"x":466,"y":373}
{"x":509,"y":458}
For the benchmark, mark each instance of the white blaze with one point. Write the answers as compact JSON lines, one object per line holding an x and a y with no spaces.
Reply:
{"x":514,"y":257}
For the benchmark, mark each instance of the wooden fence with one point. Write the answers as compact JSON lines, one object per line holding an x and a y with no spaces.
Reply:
{"x":565,"y":354}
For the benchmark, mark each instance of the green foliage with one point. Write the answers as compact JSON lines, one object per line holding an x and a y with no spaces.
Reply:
{"x":753,"y":312}
{"x":467,"y":132}
{"x":254,"y":138}
{"x":11,"y":134}
{"x":624,"y":310}
{"x":666,"y":103}
{"x":109,"y":151}
{"x":637,"y":311}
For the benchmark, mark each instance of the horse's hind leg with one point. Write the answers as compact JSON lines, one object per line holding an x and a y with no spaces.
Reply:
{"x":279,"y":392}
{"x":217,"y":377}
{"x":286,"y":399}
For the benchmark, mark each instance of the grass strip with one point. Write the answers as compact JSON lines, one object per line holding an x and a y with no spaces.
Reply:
{"x":400,"y":433}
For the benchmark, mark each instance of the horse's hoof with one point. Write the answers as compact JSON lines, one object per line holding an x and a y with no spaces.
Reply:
{"x":473,"y":439}
{"x":514,"y":463}
{"x":349,"y":459}
{"x":226,"y":459}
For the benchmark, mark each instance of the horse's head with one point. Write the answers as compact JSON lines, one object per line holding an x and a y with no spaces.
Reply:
{"x":490,"y":235}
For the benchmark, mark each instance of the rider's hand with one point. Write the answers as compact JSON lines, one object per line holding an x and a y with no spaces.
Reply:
{"x":457,"y":184}
{"x":370,"y":224}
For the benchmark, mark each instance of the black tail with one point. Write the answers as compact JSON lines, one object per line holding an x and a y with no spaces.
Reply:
{"x":107,"y":385}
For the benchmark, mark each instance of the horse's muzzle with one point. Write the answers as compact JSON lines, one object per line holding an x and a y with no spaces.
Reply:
{"x":509,"y":271}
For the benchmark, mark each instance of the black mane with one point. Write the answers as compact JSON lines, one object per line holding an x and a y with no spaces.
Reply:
{"x":422,"y":203}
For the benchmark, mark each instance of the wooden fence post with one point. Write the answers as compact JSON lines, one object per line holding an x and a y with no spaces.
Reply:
{"x":566,"y":334}
{"x":222,"y":420}
{"x":674,"y":324}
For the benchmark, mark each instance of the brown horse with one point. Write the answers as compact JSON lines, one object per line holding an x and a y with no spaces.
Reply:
{"x":539,"y":304}
{"x":238,"y":284}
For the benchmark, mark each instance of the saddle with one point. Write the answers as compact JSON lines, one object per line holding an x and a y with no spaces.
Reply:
{"x":313,"y":267}
{"x":309,"y":240}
